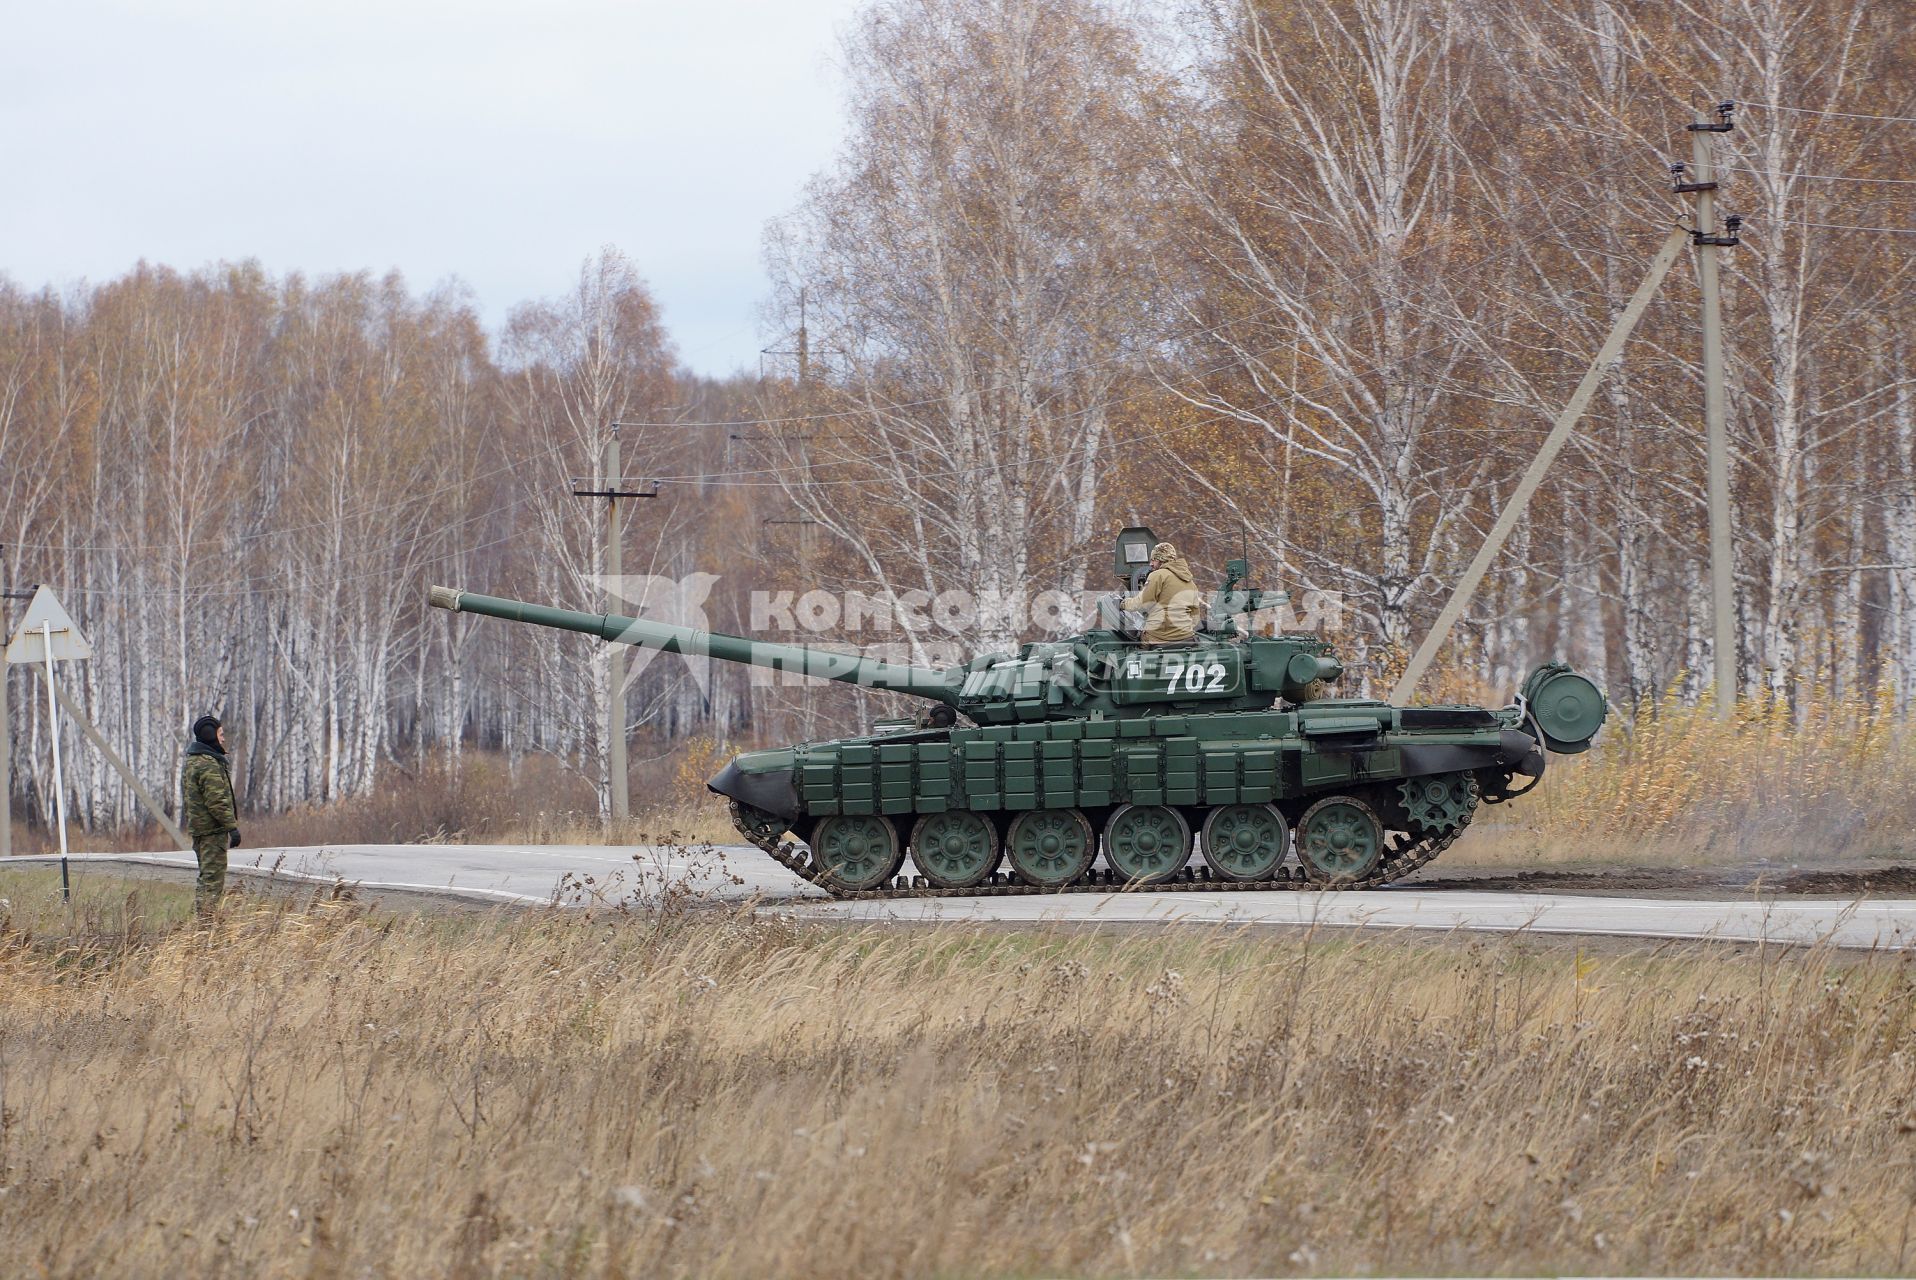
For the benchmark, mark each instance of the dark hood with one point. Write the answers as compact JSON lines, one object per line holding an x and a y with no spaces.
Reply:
{"x":198,"y":748}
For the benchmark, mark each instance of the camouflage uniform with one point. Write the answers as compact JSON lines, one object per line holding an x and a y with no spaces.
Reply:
{"x":206,"y":785}
{"x":1170,"y":597}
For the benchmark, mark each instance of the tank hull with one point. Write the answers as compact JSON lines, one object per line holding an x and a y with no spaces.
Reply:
{"x":1195,"y":765}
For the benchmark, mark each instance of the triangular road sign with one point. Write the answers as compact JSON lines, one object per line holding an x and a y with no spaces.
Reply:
{"x":46,"y":619}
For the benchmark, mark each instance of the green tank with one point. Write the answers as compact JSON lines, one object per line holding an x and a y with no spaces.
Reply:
{"x":1099,"y":761}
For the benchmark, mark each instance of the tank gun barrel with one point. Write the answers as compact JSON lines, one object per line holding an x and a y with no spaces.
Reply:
{"x":921,"y":682}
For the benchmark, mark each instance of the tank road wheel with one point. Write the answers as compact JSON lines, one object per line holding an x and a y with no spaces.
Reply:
{"x":1147,"y":843}
{"x":856,"y":851}
{"x":1339,"y":839}
{"x":957,"y":849}
{"x":1050,"y":847}
{"x":1246,"y":841}
{"x":1439,"y":802}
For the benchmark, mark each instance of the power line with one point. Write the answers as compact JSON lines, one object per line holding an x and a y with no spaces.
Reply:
{"x":1061,"y":374}
{"x":1821,"y":177}
{"x":551,"y":450}
{"x":736,"y":477}
{"x":1847,"y":226}
{"x":1227,"y":414}
{"x":1817,"y":111}
{"x":249,"y":584}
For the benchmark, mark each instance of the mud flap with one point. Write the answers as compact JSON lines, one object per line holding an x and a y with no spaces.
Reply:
{"x":773,"y":790}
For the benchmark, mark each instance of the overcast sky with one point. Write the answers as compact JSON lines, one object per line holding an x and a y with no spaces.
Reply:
{"x":499,"y":142}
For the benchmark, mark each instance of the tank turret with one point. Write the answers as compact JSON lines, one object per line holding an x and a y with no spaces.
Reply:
{"x":1102,"y":760}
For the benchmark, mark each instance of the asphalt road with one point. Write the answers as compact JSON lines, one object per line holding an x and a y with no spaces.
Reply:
{"x":518,"y":873}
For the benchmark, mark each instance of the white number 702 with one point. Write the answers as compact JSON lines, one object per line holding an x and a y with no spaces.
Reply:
{"x":1199,"y":677}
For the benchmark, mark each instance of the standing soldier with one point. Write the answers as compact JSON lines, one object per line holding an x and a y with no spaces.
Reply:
{"x":212,"y":817}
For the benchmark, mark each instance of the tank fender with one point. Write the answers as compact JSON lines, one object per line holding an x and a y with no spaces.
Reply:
{"x":1517,"y":751}
{"x":1421,"y":758}
{"x":772,"y":790}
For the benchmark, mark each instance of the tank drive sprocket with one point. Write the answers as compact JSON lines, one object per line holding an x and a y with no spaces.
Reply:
{"x":1438,"y":801}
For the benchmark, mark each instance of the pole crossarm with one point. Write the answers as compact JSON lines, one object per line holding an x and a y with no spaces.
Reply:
{"x":1553,"y":443}
{"x":583,"y":487}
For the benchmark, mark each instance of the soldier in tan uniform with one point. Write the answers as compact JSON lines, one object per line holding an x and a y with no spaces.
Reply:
{"x":1170,"y":598}
{"x":212,"y":814}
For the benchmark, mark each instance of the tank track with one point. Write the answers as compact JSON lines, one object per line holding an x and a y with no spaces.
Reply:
{"x":1405,"y":855}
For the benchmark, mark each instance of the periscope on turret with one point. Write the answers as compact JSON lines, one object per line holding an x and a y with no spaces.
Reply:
{"x":1101,"y":760}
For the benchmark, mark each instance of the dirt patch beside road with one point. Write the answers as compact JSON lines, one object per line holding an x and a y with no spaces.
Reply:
{"x":1840,"y":880}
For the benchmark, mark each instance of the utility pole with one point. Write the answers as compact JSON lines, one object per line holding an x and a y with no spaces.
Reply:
{"x":611,"y":487}
{"x":1702,"y":185}
{"x":807,"y":537}
{"x":6,"y":742}
{"x":615,"y":659}
{"x":804,"y":341}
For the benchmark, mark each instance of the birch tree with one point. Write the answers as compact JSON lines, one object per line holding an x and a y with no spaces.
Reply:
{"x":1326,"y":202}
{"x":971,"y":267}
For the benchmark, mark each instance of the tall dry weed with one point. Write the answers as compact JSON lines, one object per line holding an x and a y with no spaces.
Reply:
{"x":1832,"y":776}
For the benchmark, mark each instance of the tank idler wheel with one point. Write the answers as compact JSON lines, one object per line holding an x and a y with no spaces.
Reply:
{"x":1147,"y":843}
{"x":1339,"y":840}
{"x":1246,"y":841}
{"x":957,"y":849}
{"x":1050,"y":848}
{"x":856,"y":852}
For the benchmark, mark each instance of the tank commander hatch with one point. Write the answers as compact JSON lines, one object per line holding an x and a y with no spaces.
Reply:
{"x":1170,"y":599}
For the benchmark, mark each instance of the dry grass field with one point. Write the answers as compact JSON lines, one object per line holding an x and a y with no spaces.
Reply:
{"x":313,"y":1089}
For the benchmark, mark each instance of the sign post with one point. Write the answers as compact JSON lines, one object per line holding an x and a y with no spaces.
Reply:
{"x":6,"y":746}
{"x":47,"y":633}
{"x":6,"y":769}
